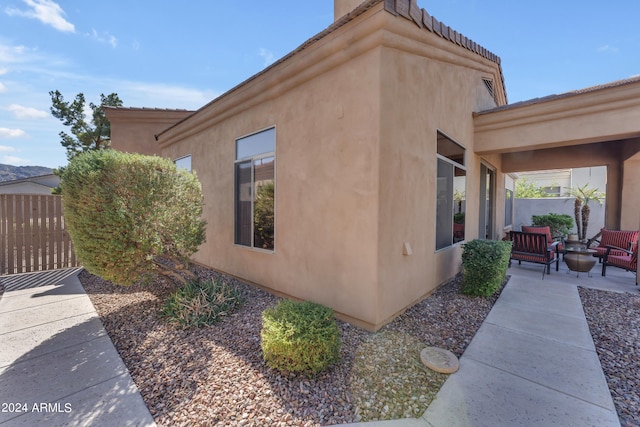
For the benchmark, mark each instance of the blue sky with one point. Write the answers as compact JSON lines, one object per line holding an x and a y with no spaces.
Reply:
{"x":171,"y":54}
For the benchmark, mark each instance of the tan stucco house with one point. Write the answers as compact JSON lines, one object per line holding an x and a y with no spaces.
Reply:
{"x":350,"y":171}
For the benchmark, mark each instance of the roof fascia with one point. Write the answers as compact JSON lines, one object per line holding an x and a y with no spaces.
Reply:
{"x":145,"y":115}
{"x":607,"y":98}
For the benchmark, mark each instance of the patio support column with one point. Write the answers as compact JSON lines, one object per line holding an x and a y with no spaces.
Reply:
{"x":613,"y":196}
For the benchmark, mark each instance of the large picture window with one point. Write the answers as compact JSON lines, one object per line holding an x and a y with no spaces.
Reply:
{"x":451,"y":189}
{"x":255,"y":190}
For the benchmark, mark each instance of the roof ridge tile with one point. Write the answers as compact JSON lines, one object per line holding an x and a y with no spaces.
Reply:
{"x":410,"y":10}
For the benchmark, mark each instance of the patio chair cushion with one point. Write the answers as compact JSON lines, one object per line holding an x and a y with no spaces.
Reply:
{"x":626,"y":261}
{"x":542,"y":229}
{"x":626,"y":239}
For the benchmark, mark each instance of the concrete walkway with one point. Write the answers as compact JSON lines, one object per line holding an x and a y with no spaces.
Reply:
{"x":533,"y":361}
{"x":58,"y":366}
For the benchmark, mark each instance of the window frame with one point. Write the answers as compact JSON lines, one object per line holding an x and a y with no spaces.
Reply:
{"x":252,"y":159}
{"x":509,"y":199}
{"x":450,"y":197}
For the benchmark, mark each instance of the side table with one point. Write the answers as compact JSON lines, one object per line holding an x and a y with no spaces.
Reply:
{"x":580,"y":260}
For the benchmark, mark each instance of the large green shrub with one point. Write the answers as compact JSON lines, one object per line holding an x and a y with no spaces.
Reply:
{"x":484,"y":266}
{"x":300,"y":337}
{"x":559,"y":224}
{"x":129,"y":214}
{"x":201,"y":302}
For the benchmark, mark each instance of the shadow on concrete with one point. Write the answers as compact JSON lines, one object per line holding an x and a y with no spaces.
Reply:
{"x":58,"y":366}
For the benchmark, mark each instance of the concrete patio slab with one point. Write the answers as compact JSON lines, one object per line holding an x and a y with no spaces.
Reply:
{"x":519,"y":294}
{"x":565,"y":329}
{"x":47,"y":295}
{"x":479,"y":395}
{"x":57,"y":361}
{"x":550,"y":286}
{"x":20,"y":346}
{"x":59,"y":374}
{"x":45,"y":314}
{"x":565,"y":368}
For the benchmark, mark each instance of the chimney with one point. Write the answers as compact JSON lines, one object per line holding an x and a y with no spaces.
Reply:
{"x":342,"y":7}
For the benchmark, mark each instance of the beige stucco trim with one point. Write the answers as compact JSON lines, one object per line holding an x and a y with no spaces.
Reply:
{"x":134,"y":129}
{"x":416,"y":41}
{"x":594,"y":116}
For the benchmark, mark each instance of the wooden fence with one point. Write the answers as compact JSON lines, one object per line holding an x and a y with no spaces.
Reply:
{"x":33,"y":235}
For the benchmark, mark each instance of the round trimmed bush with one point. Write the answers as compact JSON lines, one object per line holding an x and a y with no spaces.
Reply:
{"x":484,"y":266}
{"x":128,"y":212}
{"x":300,"y":337}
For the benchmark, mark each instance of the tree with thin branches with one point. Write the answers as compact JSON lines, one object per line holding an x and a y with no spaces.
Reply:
{"x":94,"y":134}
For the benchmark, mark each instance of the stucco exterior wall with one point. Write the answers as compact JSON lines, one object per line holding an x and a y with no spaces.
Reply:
{"x":630,"y":219}
{"x":327,"y":131}
{"x":526,"y":208}
{"x":356,"y":118}
{"x":426,"y":88}
{"x":133,"y":130}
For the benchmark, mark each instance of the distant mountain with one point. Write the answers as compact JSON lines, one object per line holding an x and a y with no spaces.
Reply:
{"x":10,"y":173}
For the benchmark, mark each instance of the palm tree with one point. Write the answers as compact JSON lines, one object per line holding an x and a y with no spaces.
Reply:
{"x":582,"y":197}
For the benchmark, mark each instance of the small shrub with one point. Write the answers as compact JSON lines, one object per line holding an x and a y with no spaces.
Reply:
{"x":484,"y":266}
{"x":201,"y":303}
{"x":559,"y":224}
{"x":300,"y":337}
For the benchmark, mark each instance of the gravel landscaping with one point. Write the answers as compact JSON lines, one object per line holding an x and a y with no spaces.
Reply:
{"x":614,"y":321}
{"x":216,"y":375}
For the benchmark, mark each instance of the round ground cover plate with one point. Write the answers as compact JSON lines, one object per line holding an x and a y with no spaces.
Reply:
{"x":439,"y":359}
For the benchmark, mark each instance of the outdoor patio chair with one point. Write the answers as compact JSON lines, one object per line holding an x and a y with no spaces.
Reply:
{"x":628,"y":260}
{"x":534,"y":247}
{"x":623,"y":239}
{"x":547,"y":230}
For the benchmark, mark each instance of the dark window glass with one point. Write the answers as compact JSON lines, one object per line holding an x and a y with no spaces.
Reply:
{"x":255,"y":190}
{"x":450,"y":188}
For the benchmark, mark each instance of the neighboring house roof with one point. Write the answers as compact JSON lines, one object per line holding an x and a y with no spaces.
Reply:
{"x":41,"y":184}
{"x":404,"y":9}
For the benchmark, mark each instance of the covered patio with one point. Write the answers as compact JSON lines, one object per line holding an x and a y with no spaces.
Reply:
{"x":597,"y":126}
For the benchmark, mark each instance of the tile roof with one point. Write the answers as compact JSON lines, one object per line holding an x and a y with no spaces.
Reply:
{"x":409,"y":9}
